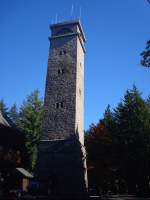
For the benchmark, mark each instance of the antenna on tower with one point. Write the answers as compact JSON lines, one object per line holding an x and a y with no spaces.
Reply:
{"x":52,"y":21}
{"x":72,"y":10}
{"x":56,"y":18}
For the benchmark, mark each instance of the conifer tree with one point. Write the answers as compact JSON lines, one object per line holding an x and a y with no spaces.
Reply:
{"x":121,"y":143}
{"x":108,"y":119}
{"x":13,"y":114}
{"x":3,"y":108}
{"x":30,"y":120}
{"x":145,"y":60}
{"x":132,"y":119}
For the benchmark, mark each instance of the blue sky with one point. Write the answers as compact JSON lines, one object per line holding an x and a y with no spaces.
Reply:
{"x":116,"y":33}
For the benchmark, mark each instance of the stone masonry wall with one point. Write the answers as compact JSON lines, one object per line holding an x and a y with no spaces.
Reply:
{"x":59,"y":123}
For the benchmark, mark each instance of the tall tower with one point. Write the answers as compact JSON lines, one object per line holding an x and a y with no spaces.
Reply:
{"x":61,"y":151}
{"x":64,"y":95}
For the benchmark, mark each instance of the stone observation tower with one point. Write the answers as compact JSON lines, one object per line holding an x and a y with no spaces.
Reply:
{"x":62,"y":158}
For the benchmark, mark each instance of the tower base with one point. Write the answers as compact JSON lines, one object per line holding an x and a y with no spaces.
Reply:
{"x":61,"y":168}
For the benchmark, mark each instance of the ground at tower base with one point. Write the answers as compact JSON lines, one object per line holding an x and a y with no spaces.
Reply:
{"x":94,"y":197}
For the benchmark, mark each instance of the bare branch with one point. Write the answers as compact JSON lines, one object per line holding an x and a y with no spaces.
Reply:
{"x":148,"y":1}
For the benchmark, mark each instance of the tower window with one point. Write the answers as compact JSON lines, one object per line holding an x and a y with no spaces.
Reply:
{"x":62,"y":52}
{"x":59,"y":71}
{"x":59,"y":105}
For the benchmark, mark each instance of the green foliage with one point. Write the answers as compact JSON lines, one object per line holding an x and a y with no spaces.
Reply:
{"x":3,"y":108}
{"x":145,"y":60}
{"x":120,"y":143}
{"x":13,"y":114}
{"x":132,"y":120}
{"x":30,"y":120}
{"x":118,"y":146}
{"x":98,"y":144}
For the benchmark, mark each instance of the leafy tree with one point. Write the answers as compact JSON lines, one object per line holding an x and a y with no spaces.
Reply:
{"x":98,"y":145}
{"x":30,"y":120}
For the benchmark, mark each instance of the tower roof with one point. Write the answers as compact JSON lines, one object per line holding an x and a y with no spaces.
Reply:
{"x":70,"y":22}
